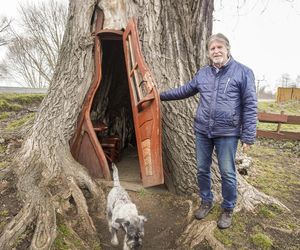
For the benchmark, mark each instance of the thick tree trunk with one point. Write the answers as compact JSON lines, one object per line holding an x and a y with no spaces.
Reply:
{"x":48,"y":176}
{"x":50,"y":181}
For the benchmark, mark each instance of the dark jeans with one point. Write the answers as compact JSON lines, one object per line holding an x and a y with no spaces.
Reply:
{"x":226,"y":147}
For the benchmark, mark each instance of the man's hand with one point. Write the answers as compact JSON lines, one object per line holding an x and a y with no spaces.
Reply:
{"x":245,"y":147}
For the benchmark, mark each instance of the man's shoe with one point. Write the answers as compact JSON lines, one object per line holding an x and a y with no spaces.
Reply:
{"x":204,"y":209}
{"x":225,"y":218}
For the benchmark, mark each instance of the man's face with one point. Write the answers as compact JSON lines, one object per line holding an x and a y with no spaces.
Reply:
{"x":218,"y":53}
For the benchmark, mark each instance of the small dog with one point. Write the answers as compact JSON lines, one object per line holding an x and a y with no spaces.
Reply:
{"x":122,"y":213}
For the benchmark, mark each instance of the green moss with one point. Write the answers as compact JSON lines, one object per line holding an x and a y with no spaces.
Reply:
{"x":20,"y":122}
{"x":60,"y":244}
{"x":4,"y":115}
{"x":214,"y":213}
{"x":142,"y":192}
{"x":2,"y":149}
{"x":3,"y":164}
{"x":63,"y":233}
{"x":261,"y":241}
{"x":64,"y":230}
{"x":223,"y":237}
{"x":66,"y":239}
{"x":234,"y":236}
{"x":265,"y":212}
{"x":4,"y":213}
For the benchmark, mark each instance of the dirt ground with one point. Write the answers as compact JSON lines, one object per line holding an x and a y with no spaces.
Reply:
{"x":275,"y":171}
{"x":165,"y":214}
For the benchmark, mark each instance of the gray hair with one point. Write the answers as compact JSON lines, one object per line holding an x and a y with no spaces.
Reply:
{"x":221,"y":38}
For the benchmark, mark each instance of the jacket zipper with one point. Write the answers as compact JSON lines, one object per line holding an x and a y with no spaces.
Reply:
{"x":226,"y":85}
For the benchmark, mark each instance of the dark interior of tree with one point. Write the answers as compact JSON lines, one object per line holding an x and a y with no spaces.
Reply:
{"x":112,"y":108}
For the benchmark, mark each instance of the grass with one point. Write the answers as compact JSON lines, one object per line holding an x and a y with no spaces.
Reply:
{"x":5,"y":105}
{"x":22,"y":99}
{"x":230,"y":238}
{"x":63,"y":233}
{"x":4,"y":115}
{"x":66,"y":239}
{"x":246,"y":231}
{"x":142,"y":192}
{"x":265,"y":212}
{"x":289,"y":108}
{"x":271,"y":171}
{"x":14,"y":102}
{"x":261,"y":241}
{"x":275,"y":172}
{"x":20,"y":122}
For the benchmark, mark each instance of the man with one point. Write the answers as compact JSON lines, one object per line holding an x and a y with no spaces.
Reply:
{"x":227,"y":112}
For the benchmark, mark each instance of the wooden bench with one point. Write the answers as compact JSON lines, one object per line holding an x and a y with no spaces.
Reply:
{"x":279,"y":119}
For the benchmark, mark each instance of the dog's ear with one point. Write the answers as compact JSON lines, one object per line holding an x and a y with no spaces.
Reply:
{"x":143,"y":218}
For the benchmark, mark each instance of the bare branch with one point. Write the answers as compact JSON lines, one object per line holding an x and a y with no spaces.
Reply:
{"x":33,"y":53}
{"x":4,"y":25}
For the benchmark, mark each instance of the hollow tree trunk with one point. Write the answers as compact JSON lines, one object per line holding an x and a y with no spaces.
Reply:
{"x":172,"y":36}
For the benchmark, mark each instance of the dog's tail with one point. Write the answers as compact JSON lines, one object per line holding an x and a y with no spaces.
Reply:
{"x":115,"y":175}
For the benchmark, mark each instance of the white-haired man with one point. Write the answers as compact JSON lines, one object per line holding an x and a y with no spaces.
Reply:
{"x":227,"y":112}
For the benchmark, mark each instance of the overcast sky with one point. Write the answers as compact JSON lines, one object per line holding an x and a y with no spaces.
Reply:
{"x":264,"y":34}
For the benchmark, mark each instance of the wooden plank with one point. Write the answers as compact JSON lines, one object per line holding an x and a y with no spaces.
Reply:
{"x":283,"y":135}
{"x":293,"y":119}
{"x":272,"y":118}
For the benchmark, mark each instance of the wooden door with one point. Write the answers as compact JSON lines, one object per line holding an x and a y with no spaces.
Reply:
{"x":145,"y":108}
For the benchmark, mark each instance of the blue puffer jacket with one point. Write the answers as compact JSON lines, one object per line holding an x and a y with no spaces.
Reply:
{"x":228,"y":102}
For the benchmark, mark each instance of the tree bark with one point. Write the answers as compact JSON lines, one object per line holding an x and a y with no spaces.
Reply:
{"x":48,"y":176}
{"x":173,"y":36}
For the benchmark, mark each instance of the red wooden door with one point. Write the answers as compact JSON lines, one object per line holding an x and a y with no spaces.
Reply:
{"x":145,"y":108}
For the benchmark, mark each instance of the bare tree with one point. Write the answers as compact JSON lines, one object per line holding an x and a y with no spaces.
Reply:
{"x":33,"y":51}
{"x":4,"y":39}
{"x":285,"y":80}
{"x":4,"y":25}
{"x":50,"y":182}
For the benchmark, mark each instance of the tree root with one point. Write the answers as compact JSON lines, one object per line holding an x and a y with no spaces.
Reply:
{"x":82,"y":208}
{"x":279,"y":229}
{"x":196,"y":232}
{"x":50,"y":191}
{"x":17,"y":226}
{"x":249,"y":197}
{"x":45,"y":230}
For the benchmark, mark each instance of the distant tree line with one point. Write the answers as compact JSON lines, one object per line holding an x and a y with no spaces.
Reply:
{"x":287,"y":81}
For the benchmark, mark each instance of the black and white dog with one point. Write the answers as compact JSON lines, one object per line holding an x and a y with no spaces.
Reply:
{"x":122,"y":213}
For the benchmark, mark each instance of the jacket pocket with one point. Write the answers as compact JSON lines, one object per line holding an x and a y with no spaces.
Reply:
{"x":226,"y":119}
{"x":205,"y":88}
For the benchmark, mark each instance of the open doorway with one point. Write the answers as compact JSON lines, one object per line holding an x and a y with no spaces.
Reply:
{"x":112,"y":108}
{"x":120,"y":117}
